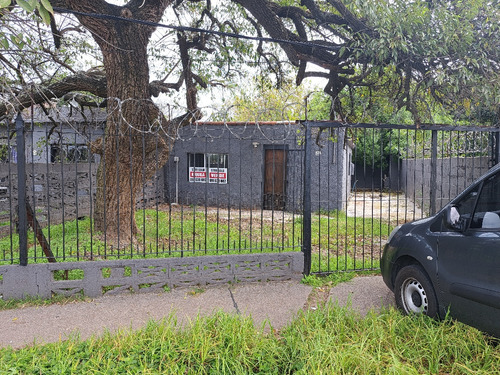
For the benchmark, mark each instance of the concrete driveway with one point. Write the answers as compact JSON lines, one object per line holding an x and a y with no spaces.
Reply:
{"x":362,"y":294}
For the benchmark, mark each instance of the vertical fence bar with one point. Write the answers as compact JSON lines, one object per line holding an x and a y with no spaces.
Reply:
{"x":306,"y":245}
{"x":32,"y":178}
{"x":21,"y":192}
{"x":47,"y":178}
{"x":91,"y":198}
{"x":11,"y":211}
{"x":433,"y":182}
{"x":62,"y":156}
{"x":319,"y":207}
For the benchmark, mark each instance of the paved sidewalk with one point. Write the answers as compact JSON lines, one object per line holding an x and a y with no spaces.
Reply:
{"x":273,"y":302}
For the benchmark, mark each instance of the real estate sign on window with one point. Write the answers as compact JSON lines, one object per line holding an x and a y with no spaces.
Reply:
{"x":197,"y":174}
{"x":211,"y":168}
{"x":217,"y":175}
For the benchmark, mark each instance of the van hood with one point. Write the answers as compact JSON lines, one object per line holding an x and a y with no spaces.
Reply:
{"x":421,"y":221}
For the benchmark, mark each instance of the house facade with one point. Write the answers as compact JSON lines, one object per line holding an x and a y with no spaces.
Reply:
{"x":231,"y":165}
{"x":257,"y":166}
{"x":60,"y":169}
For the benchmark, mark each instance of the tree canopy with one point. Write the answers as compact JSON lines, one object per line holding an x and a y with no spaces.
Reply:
{"x":417,"y":55}
{"x":420,"y":53}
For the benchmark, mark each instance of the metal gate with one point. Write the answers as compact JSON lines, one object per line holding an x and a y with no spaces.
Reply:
{"x":394,"y":174}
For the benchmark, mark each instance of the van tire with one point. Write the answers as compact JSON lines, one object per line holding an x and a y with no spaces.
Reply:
{"x":414,"y":292}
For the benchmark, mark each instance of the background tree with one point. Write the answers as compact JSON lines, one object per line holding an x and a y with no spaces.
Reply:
{"x":422,"y":54}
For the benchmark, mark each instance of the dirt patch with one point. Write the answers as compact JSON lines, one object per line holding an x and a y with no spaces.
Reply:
{"x":395,"y":207}
{"x":317,"y":298}
{"x":232,"y":214}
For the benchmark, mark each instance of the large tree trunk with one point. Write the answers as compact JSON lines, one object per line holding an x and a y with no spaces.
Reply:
{"x":130,"y":156}
{"x":130,"y":152}
{"x":129,"y":148}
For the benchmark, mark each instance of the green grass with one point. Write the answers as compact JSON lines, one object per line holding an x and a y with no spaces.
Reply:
{"x":330,"y":340}
{"x":335,"y":278}
{"x":9,"y":304}
{"x":192,"y":231}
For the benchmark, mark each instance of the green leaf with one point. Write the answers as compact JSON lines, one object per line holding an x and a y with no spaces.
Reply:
{"x":4,"y":3}
{"x":44,"y":13}
{"x":5,"y":43}
{"x":46,"y":4}
{"x":17,"y":40}
{"x":26,"y":6}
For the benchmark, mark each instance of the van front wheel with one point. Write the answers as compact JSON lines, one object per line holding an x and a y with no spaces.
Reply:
{"x":414,"y":292}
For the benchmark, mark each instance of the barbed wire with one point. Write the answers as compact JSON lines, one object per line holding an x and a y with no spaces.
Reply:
{"x":66,"y":123}
{"x":92,"y":112}
{"x":73,"y":118}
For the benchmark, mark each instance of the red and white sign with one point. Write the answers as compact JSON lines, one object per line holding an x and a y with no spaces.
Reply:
{"x":197,"y":174}
{"x":217,"y":175}
{"x":220,"y":175}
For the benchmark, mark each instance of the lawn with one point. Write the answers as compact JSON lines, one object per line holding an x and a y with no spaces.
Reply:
{"x":338,"y":241}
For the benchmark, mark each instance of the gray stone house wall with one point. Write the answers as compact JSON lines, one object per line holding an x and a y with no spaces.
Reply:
{"x":59,"y":193}
{"x":62,"y":189}
{"x":332,"y":170}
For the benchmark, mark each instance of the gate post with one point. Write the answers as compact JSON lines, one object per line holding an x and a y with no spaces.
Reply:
{"x":21,"y":192}
{"x":496,"y":148}
{"x":306,"y":214}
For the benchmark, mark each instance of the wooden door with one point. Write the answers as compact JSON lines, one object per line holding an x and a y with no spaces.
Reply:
{"x":274,"y":179}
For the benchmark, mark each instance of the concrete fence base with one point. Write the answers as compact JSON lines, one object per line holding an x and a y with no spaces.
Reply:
{"x":98,"y":278}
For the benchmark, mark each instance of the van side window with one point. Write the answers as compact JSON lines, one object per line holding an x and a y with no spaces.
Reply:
{"x":465,"y":206}
{"x":487,"y":213}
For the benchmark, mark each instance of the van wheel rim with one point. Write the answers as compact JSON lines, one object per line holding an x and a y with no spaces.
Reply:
{"x":414,"y":297}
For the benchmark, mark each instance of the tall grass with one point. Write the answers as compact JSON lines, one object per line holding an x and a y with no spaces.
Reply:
{"x":336,"y":341}
{"x":330,"y":340}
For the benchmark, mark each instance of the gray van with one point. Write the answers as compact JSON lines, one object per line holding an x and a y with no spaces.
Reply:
{"x":451,"y":261}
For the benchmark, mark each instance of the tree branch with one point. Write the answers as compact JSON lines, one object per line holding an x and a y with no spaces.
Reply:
{"x":92,"y":81}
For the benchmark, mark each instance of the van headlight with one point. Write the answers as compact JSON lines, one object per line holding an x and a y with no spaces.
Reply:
{"x":394,"y":231}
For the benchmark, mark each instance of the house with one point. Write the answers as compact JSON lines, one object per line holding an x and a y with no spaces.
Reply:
{"x":257,"y":165}
{"x":60,"y":169}
{"x":241,"y":165}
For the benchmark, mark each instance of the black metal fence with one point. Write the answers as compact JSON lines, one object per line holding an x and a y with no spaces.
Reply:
{"x":226,"y":189}
{"x":331,"y":190}
{"x":397,"y":174}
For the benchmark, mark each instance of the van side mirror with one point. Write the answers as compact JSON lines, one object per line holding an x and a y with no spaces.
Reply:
{"x":452,"y":219}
